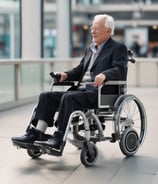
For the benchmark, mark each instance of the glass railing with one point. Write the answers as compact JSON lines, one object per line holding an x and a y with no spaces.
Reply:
{"x":21,"y":81}
{"x":6,"y":83}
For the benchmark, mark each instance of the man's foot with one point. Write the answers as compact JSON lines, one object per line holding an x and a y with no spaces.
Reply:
{"x":28,"y":139}
{"x":54,"y":142}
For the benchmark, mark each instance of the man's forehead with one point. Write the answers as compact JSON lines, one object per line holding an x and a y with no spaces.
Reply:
{"x":98,"y":22}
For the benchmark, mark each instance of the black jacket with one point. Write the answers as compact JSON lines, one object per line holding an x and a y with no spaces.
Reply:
{"x":111,"y":61}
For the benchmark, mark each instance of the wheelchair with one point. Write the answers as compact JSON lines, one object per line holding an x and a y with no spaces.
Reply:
{"x":123,"y":112}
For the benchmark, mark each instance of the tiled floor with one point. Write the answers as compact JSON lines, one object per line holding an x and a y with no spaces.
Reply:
{"x":112,"y":167}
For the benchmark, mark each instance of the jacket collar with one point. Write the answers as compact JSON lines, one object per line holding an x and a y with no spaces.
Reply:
{"x":104,"y":49}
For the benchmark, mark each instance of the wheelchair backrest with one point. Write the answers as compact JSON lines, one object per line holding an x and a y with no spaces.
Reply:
{"x":111,"y":90}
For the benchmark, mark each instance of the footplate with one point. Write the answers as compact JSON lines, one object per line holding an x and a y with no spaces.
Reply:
{"x":52,"y":151}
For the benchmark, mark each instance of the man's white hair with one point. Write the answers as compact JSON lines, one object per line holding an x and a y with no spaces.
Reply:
{"x":109,"y":21}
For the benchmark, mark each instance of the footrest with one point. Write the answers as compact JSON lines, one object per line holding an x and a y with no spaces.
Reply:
{"x":52,"y":151}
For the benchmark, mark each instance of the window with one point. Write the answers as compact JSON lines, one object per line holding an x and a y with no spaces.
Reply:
{"x":9,"y":29}
{"x":49,"y":29}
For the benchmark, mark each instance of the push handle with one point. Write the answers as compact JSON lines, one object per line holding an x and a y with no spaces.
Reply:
{"x":130,"y":56}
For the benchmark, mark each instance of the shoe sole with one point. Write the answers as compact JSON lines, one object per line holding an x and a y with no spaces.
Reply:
{"x":24,"y":145}
{"x":20,"y":144}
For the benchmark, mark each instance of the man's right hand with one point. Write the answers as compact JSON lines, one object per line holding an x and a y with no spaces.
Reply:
{"x":63,"y":76}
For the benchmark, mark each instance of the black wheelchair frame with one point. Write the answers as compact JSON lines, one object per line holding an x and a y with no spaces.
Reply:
{"x":125,"y":111}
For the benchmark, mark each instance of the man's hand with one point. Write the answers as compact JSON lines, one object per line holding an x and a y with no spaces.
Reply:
{"x":99,"y":79}
{"x":63,"y":76}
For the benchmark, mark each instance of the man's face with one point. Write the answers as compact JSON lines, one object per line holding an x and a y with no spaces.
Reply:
{"x":99,"y":32}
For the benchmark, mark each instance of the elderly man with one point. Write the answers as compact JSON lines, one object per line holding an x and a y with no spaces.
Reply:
{"x":104,"y":60}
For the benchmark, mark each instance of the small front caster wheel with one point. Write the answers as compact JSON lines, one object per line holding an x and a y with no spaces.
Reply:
{"x":88,"y":158}
{"x":34,"y":153}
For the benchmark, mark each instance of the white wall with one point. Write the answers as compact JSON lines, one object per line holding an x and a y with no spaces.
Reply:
{"x":144,"y":73}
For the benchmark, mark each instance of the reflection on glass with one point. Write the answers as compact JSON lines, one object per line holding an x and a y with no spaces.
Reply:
{"x":34,"y":78}
{"x":4,"y":36}
{"x":6,"y":83}
{"x":9,"y":29}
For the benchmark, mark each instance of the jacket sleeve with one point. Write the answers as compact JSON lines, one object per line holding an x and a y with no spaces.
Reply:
{"x":76,"y":73}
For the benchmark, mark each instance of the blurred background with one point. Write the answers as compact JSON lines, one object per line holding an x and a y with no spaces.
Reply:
{"x":39,"y":36}
{"x":136,"y":25}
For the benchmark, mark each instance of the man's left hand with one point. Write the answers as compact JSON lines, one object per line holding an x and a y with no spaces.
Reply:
{"x":99,"y":79}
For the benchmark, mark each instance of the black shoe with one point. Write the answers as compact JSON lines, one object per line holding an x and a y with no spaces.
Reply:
{"x":54,"y":142}
{"x":29,"y":138}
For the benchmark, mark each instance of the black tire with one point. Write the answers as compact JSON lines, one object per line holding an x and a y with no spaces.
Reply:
{"x":86,"y":158}
{"x":34,"y":153}
{"x":78,"y":132}
{"x":129,"y":142}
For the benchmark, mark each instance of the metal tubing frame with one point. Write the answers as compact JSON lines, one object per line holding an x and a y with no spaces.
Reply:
{"x":86,"y":125}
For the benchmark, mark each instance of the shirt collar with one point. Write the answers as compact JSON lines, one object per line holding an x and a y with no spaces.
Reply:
{"x":93,"y":47}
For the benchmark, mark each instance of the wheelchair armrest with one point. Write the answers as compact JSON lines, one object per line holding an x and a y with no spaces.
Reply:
{"x":109,"y":92}
{"x":56,"y":81}
{"x":64,"y":83}
{"x":115,"y":83}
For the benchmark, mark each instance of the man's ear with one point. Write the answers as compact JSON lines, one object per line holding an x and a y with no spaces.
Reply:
{"x":109,"y":30}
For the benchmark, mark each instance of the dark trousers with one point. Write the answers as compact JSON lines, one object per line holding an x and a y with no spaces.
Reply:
{"x":65,"y":103}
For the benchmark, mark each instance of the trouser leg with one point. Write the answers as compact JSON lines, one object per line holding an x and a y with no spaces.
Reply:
{"x":72,"y":101}
{"x":47,"y":106}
